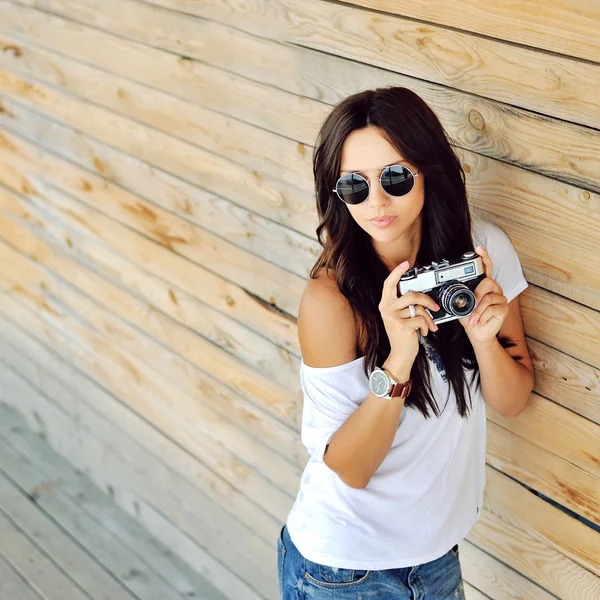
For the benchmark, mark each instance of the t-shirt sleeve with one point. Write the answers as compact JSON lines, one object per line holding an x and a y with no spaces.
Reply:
{"x":331,"y":395}
{"x":506,"y":267}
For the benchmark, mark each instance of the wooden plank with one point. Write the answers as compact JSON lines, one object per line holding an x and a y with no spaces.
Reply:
{"x":90,"y":557}
{"x":564,"y":26}
{"x":559,"y":431}
{"x":517,"y":207}
{"x":197,"y":243}
{"x":538,"y":518}
{"x":95,"y":407}
{"x":490,"y":576}
{"x":119,"y":562}
{"x":190,"y":280}
{"x":212,"y":325}
{"x":474,"y":123}
{"x":12,"y":585}
{"x":510,"y":541}
{"x":256,"y":401}
{"x":548,"y":472}
{"x":472,"y":593}
{"x":550,"y":84}
{"x":190,"y":114}
{"x":49,"y":370}
{"x":565,"y":380}
{"x":219,"y":175}
{"x":32,"y":564}
{"x":278,"y":398}
{"x":187,"y":283}
{"x":557,"y":321}
{"x":121,"y":355}
{"x":174,"y":286}
{"x":227,"y":540}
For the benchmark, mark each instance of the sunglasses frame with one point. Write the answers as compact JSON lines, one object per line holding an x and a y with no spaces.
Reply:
{"x":415,"y":175}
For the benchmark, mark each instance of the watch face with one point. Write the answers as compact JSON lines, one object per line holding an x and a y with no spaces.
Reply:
{"x":380,"y":384}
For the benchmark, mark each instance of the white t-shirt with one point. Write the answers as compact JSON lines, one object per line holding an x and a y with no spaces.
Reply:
{"x":427,"y":493}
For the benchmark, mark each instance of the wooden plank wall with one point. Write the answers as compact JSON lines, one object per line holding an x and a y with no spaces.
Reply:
{"x":157,"y":228}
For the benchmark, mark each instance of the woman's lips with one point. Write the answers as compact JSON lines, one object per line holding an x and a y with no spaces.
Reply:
{"x":383,"y":221}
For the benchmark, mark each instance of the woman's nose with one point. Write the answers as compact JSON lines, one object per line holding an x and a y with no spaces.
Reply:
{"x":377,"y":196}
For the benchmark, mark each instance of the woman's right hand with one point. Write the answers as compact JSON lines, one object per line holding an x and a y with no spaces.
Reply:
{"x":401,"y":328}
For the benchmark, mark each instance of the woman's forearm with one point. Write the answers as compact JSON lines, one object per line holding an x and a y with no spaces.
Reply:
{"x":361,"y":444}
{"x":506,"y":384}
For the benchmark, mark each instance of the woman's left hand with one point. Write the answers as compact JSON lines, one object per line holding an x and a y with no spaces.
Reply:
{"x":491,"y":308}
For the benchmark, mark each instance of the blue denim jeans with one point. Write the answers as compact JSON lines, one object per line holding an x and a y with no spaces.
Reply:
{"x":302,"y":579}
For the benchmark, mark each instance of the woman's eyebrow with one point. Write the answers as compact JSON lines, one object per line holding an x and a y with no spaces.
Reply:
{"x":397,"y":162}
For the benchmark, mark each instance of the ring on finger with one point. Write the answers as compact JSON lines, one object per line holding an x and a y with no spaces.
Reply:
{"x":412,"y":311}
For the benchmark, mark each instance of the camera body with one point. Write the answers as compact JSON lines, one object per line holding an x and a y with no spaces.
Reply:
{"x":450,"y":283}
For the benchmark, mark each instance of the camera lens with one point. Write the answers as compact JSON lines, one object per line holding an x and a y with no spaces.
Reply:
{"x":457,"y":299}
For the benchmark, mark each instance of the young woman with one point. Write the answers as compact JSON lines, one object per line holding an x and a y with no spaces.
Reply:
{"x":394,"y":417}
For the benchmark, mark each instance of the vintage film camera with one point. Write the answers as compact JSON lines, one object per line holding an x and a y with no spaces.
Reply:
{"x":449,"y":283}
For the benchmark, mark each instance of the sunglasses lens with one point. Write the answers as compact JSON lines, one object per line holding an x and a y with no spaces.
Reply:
{"x":352,"y":188}
{"x":397,"y":180}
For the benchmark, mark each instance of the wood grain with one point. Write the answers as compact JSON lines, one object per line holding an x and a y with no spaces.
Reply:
{"x":550,"y":84}
{"x":64,"y":229}
{"x":494,"y":578}
{"x":226,"y":537}
{"x":562,"y":26}
{"x":562,"y":150}
{"x":130,"y":353}
{"x":533,"y":537}
{"x":100,"y":574}
{"x":54,"y":373}
{"x":545,"y":470}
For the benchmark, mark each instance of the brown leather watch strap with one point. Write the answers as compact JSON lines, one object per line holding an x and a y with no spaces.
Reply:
{"x":401,"y":390}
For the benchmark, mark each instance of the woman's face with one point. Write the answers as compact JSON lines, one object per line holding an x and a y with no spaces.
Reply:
{"x":368,"y":152}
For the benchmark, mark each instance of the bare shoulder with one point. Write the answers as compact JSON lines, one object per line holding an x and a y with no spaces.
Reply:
{"x":326,"y":324}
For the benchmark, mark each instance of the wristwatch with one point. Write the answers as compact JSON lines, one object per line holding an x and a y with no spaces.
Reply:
{"x":383,"y":385}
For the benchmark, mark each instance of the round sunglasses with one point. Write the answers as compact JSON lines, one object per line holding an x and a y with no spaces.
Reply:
{"x":396,"y":180}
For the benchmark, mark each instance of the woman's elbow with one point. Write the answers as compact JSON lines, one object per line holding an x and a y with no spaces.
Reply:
{"x":522,"y":405}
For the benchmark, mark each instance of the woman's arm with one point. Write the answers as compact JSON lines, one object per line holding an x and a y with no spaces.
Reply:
{"x":506,"y":383}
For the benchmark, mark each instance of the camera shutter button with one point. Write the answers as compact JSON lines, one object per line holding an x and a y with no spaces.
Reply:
{"x":468,"y":255}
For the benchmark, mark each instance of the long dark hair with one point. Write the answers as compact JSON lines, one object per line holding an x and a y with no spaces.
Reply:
{"x":409,"y":125}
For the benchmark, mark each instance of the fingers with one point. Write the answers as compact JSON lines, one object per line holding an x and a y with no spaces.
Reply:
{"x":401,"y":306}
{"x":388,"y":294}
{"x":416,"y":298}
{"x":486,"y":286}
{"x":487,"y":302}
{"x":487,"y":261}
{"x":420,"y":322}
{"x":496,"y":311}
